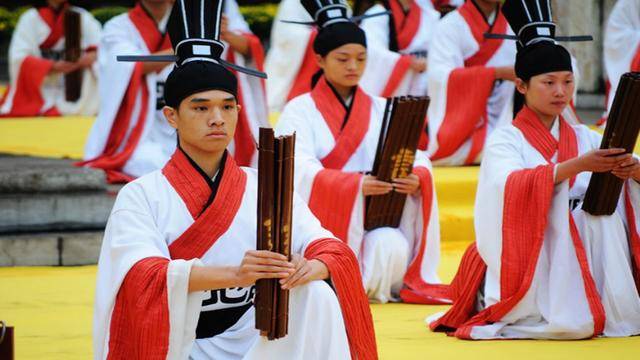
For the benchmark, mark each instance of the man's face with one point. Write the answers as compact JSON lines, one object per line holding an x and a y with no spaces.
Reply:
{"x":205,"y":120}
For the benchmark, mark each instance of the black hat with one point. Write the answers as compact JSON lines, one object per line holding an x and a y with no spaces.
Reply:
{"x":538,"y":50}
{"x":194,"y":30}
{"x":335,"y":26}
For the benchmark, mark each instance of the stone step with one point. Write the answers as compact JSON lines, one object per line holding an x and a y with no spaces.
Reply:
{"x":50,"y":249}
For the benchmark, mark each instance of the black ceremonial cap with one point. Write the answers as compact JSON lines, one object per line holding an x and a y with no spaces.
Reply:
{"x":194,"y":30}
{"x":335,"y":26}
{"x":538,"y":51}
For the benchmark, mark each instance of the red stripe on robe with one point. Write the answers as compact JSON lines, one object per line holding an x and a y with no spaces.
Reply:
{"x":244,"y":141}
{"x":120,"y":146}
{"x":347,"y":282}
{"x":136,"y":334}
{"x":634,"y":242}
{"x":406,"y":26}
{"x":416,"y":290}
{"x":635,"y":64}
{"x":466,"y":116}
{"x":527,"y":201}
{"x":302,"y":83}
{"x":55,"y":20}
{"x":334,"y":192}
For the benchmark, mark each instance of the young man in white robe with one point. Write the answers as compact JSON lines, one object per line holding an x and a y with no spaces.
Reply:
{"x":37,"y":66}
{"x":178,"y":266}
{"x":470,"y":81}
{"x":398,"y":46}
{"x":542,"y":267}
{"x":338,"y":126}
{"x":130,"y":137}
{"x":621,"y":43}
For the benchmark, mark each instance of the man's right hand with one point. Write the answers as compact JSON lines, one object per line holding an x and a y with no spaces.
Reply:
{"x":372,"y":186}
{"x":64,"y":67}
{"x":603,"y":160}
{"x":262,"y":264}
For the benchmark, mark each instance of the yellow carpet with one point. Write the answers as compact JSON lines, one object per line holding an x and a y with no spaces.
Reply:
{"x":51,"y":309}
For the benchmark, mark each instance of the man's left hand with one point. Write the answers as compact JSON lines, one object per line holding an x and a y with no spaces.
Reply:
{"x":409,"y":185}
{"x":305,"y":272}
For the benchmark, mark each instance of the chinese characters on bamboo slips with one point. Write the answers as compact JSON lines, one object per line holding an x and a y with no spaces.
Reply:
{"x":72,"y":53}
{"x":275,"y":205}
{"x":403,"y":123}
{"x":622,"y":131}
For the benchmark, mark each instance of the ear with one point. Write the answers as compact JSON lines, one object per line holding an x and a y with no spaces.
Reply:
{"x":320,"y":61}
{"x":239,"y":107}
{"x":172,"y":116}
{"x":521,"y":86}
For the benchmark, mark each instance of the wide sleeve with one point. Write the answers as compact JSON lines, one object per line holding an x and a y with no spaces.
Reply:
{"x":621,"y":41}
{"x":142,"y":307}
{"x":116,"y":40}
{"x":287,"y":52}
{"x":453,"y":118}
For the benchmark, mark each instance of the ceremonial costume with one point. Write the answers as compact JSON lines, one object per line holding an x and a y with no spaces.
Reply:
{"x":166,"y":222}
{"x":541,"y":267}
{"x":36,"y":44}
{"x":336,"y":145}
{"x":131,"y":137}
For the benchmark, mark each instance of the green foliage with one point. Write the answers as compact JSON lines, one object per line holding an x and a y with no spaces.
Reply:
{"x":260,"y":18}
{"x":104,"y":14}
{"x":9,"y":20}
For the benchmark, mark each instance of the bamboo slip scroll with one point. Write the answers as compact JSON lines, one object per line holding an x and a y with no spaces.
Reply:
{"x":623,"y":127}
{"x":72,"y":52}
{"x":275,"y":207}
{"x":402,"y":125}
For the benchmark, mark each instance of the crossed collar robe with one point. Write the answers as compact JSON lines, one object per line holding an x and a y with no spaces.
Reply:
{"x":541,"y":266}
{"x":170,"y":220}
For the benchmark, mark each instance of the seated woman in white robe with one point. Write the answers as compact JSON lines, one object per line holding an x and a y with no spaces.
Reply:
{"x":130,"y":136}
{"x":338,"y":127}
{"x":622,"y":43}
{"x":542,"y":267}
{"x":37,"y":66}
{"x":398,"y":46}
{"x":178,"y":266}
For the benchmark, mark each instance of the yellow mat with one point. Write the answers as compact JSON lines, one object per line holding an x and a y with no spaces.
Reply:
{"x":62,"y":137}
{"x":52,"y":309}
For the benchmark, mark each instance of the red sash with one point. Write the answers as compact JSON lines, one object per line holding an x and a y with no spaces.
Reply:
{"x":466,"y":116}
{"x":302,"y":83}
{"x":635,"y":64}
{"x":55,"y":20}
{"x":115,"y":155}
{"x":244,"y":141}
{"x":406,"y":24}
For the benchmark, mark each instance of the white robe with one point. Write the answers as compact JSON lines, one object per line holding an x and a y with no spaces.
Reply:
{"x":149,"y":215}
{"x":30,"y":32}
{"x":555,"y":306}
{"x":382,"y":63}
{"x":384,"y":253}
{"x":621,"y":42}
{"x":453,"y":43}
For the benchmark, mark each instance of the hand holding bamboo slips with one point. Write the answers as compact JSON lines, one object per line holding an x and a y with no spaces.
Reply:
{"x":623,"y":127}
{"x":403,"y":122}
{"x":275,"y":205}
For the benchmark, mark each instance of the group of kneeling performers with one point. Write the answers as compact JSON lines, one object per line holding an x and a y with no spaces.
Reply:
{"x":178,"y":265}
